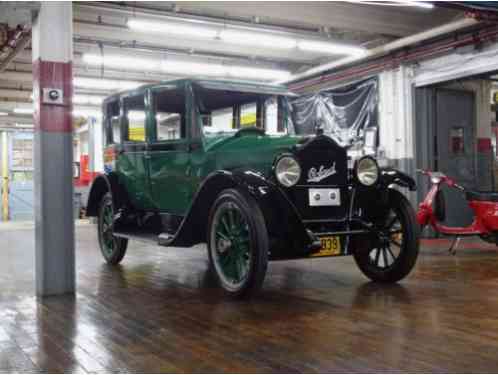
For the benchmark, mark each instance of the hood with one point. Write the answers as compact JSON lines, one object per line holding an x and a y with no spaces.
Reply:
{"x":252,"y":151}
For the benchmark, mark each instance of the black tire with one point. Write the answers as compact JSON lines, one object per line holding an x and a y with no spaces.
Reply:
{"x":113,"y":248}
{"x":246,"y":252}
{"x":368,"y":253}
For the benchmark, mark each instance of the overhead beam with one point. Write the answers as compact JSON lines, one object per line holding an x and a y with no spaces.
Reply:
{"x":308,"y":16}
{"x":20,"y":46}
{"x":94,"y":30}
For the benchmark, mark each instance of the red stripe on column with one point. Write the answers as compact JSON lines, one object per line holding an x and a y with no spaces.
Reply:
{"x":55,"y":75}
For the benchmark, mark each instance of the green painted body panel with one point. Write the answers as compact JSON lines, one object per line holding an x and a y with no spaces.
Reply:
{"x":132,"y":168}
{"x":250,"y":151}
{"x":170,"y":180}
{"x":167,"y":176}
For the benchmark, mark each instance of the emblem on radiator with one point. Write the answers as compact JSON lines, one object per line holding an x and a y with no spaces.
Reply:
{"x":315,"y":175}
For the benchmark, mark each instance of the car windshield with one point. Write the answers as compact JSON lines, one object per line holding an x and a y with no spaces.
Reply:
{"x":226,"y":112}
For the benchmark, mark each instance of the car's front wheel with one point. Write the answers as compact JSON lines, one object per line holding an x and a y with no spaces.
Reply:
{"x":237,"y":243}
{"x":113,"y":248}
{"x":390,"y":254}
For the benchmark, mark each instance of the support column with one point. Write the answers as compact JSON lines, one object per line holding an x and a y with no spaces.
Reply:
{"x":52,"y":98}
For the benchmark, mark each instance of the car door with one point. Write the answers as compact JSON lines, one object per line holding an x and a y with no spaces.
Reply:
{"x":133,"y":156}
{"x":169,"y":153}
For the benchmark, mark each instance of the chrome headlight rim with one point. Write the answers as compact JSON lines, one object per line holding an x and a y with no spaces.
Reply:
{"x":360,"y":175}
{"x":285,"y":176}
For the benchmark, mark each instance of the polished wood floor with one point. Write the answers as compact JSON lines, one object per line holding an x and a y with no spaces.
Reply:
{"x":161,"y":312}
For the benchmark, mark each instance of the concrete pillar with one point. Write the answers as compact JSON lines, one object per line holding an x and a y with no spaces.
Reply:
{"x":52,"y":93}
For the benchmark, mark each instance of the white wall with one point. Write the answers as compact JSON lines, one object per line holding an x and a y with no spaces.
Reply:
{"x":395,"y":114}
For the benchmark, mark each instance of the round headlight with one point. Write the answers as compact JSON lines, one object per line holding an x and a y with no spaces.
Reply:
{"x":367,"y":171}
{"x":287,"y":171}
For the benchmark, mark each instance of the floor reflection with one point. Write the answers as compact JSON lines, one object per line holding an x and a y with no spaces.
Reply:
{"x":161,"y":311}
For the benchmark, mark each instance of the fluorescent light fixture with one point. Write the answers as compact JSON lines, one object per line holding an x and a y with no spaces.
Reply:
{"x":257,"y":73}
{"x":183,"y":30}
{"x":257,"y":39}
{"x":122,"y":62}
{"x":3,"y":114}
{"x":192,"y":68}
{"x":104,"y":84}
{"x":88,"y":99}
{"x":254,"y":38}
{"x":219,"y":70}
{"x":25,"y":126}
{"x":395,"y":3}
{"x":330,"y":48}
{"x":420,"y":4}
{"x":24,"y":111}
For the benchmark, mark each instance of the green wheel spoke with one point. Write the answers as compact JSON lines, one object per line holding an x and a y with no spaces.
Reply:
{"x":225,"y":225}
{"x":231,"y":219}
{"x":221,"y":234}
{"x":240,"y":269}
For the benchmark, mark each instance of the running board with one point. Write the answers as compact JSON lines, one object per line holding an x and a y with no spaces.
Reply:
{"x":142,"y":237}
{"x":163,"y":239}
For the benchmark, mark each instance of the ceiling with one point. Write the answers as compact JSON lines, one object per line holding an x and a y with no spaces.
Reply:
{"x":101,"y":28}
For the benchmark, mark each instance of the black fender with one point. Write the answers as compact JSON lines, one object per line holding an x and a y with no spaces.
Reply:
{"x":105,"y":183}
{"x":279,"y":213}
{"x":389,"y":176}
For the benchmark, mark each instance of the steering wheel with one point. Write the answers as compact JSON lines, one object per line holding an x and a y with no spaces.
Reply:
{"x":251,"y":129}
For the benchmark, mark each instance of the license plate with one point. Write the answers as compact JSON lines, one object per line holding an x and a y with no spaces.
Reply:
{"x":330,"y":246}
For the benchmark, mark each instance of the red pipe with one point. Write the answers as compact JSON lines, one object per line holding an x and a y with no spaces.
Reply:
{"x":394,"y":61}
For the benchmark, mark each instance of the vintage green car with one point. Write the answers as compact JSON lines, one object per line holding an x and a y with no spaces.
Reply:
{"x":217,"y":162}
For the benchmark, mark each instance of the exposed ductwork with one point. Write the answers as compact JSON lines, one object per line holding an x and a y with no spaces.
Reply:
{"x":385,"y":49}
{"x":16,"y":40}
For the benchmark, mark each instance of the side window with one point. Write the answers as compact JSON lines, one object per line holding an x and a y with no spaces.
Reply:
{"x":169,"y":114}
{"x":219,"y":120}
{"x":112,"y":123}
{"x":248,"y":115}
{"x":134,"y":118}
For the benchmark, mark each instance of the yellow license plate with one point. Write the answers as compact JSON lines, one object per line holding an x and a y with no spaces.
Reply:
{"x":330,"y":246}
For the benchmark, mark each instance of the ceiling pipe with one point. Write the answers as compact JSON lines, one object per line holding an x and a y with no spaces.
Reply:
{"x":15,"y":94}
{"x":387,"y":62}
{"x":15,"y":45}
{"x":384,"y":49}
{"x":161,"y":14}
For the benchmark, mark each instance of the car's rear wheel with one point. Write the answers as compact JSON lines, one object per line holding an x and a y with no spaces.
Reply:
{"x":113,"y":248}
{"x":391,"y":254}
{"x":237,"y":243}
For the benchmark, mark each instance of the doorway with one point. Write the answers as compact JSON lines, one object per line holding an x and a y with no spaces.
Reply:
{"x":446,"y":142}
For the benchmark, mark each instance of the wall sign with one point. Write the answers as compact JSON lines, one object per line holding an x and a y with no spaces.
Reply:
{"x":53,"y":96}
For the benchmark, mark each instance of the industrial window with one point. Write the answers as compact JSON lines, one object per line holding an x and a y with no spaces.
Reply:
{"x":112,"y":123}
{"x":169,"y":114}
{"x":134,"y":119}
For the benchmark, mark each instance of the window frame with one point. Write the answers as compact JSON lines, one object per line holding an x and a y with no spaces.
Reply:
{"x":124,"y":122}
{"x":152,"y":121}
{"x":107,"y":121}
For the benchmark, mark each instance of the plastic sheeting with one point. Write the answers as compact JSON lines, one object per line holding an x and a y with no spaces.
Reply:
{"x":342,"y":113}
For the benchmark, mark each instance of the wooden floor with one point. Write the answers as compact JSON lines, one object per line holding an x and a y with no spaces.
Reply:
{"x":161,"y":312}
